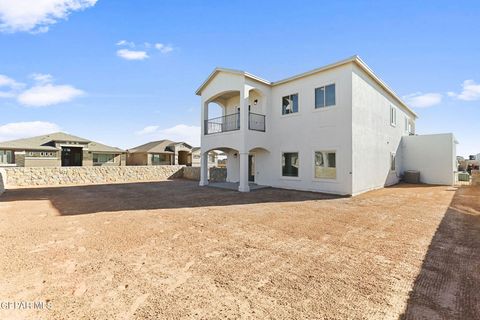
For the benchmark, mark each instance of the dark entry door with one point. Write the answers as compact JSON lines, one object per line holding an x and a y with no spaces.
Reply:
{"x":251,"y":168}
{"x":72,"y":157}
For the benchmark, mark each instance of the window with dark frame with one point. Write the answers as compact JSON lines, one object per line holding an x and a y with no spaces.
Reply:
{"x":325,"y":96}
{"x":290,"y":104}
{"x":290,"y":164}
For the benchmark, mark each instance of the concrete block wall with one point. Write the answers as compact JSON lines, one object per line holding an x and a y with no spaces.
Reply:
{"x":214,"y":175}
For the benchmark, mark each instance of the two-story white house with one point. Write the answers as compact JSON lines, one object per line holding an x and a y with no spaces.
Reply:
{"x":336,"y":129}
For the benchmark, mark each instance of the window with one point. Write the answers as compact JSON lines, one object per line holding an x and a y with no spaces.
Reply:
{"x":6,"y":157}
{"x":103,"y":158}
{"x":160,"y":158}
{"x":325,"y":96}
{"x":406,"y":124}
{"x":290,"y":104}
{"x":392,"y":161}
{"x":325,"y":165}
{"x":290,"y":164}
{"x":393,"y":116}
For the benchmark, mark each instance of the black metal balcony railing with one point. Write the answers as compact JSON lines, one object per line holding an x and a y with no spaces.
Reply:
{"x":231,"y":122}
{"x":226,"y":123}
{"x":256,"y":122}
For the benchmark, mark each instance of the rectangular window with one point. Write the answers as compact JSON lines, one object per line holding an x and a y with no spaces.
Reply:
{"x":325,"y":165}
{"x":393,"y":116}
{"x":290,"y":104}
{"x":406,"y":124}
{"x":100,"y":158}
{"x":6,"y":157}
{"x":290,"y":164}
{"x":392,"y":161}
{"x":160,"y":159}
{"x":325,"y":96}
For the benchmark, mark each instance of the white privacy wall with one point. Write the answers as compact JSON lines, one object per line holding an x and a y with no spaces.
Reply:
{"x":374,"y":138}
{"x":433,"y":155}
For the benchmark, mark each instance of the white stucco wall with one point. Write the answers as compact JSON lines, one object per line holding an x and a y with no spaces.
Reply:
{"x":433,"y":155}
{"x":309,"y":130}
{"x":374,"y":138}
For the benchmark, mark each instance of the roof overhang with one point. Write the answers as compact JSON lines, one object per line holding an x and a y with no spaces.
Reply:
{"x":231,"y":71}
{"x":354,"y":59}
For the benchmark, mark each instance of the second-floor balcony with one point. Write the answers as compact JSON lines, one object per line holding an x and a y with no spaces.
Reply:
{"x":231,"y":122}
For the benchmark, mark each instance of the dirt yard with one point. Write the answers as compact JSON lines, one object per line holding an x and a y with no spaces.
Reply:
{"x":172,"y":250}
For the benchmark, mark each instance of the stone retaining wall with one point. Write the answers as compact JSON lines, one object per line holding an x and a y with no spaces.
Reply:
{"x":22,"y":177}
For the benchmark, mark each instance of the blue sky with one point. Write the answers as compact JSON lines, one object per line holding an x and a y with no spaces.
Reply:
{"x":64,"y":66}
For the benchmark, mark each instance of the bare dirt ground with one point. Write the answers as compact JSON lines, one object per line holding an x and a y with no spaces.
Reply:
{"x":172,"y":250}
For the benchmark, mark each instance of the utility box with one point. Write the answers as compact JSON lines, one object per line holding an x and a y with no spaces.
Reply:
{"x":463,"y":176}
{"x":411,"y":176}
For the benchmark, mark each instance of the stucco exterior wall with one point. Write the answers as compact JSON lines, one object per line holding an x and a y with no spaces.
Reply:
{"x":433,"y":155}
{"x":137,"y":159}
{"x":374,"y":138}
{"x":21,"y":177}
{"x":42,"y":162}
{"x":308,"y":131}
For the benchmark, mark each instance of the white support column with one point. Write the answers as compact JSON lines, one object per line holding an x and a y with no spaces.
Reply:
{"x":244,"y":93}
{"x":204,"y":116}
{"x":243,"y":187}
{"x":203,"y":169}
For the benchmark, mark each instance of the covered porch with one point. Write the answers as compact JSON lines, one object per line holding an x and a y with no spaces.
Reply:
{"x":243,"y":171}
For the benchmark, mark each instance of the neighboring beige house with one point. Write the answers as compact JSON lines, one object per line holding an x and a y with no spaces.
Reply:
{"x":58,"y":150}
{"x":162,"y":152}
{"x":213,"y":157}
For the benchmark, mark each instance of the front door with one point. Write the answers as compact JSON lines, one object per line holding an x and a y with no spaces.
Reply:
{"x":251,"y":168}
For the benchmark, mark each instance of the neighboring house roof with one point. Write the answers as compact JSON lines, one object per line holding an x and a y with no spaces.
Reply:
{"x":41,"y":143}
{"x":99,"y":147}
{"x":355,"y":59}
{"x":160,"y":146}
{"x":153,"y":147}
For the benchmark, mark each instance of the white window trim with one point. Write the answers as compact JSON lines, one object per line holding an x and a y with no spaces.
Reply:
{"x":293,"y":113}
{"x":336,"y":165}
{"x":394,"y":122}
{"x":290,"y":177}
{"x":325,"y":107}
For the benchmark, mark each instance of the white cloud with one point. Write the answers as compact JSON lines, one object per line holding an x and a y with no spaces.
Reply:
{"x":10,"y":85}
{"x":42,"y":78}
{"x":132,"y":55}
{"x":7,"y":82}
{"x":48,"y":94}
{"x":163,"y":48}
{"x":125,"y":43}
{"x":147,"y":130}
{"x":423,"y":100}
{"x":42,"y":93}
{"x":470,"y":92}
{"x":18,"y":130}
{"x":180,"y":132}
{"x":36,"y":16}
